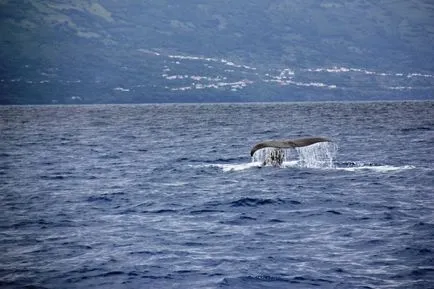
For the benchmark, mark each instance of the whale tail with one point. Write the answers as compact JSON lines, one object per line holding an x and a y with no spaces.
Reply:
{"x":286,"y":144}
{"x":277,"y":155}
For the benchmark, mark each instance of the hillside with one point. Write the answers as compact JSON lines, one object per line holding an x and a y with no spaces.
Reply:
{"x":161,"y":51}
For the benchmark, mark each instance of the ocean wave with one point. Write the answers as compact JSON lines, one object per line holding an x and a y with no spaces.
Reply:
{"x":269,"y":281}
{"x":254,"y":202}
{"x":377,"y":168}
{"x":348,"y":166}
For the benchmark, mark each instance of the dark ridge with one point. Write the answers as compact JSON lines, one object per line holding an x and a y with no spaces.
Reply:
{"x":112,"y":273}
{"x":34,"y":287}
{"x":19,"y":285}
{"x":169,"y":277}
{"x":375,"y":242}
{"x":30,"y":222}
{"x":299,"y":278}
{"x":334,"y":212}
{"x":276,"y":221}
{"x":227,"y":160}
{"x":293,"y":202}
{"x":249,"y":281}
{"x":55,"y":177}
{"x":424,"y":226}
{"x":414,"y":251}
{"x":264,"y":281}
{"x":98,"y":198}
{"x":237,"y":221}
{"x":183,"y":159}
{"x":128,"y":211}
{"x":112,"y":156}
{"x":422,"y":272}
{"x":253,"y":202}
{"x":144,"y":204}
{"x":84,"y":270}
{"x":185,"y":271}
{"x":163,"y":211}
{"x":105,"y":197}
{"x":247,"y":218}
{"x":267,"y":278}
{"x":312,"y":281}
{"x":193,"y":244}
{"x":424,"y":251}
{"x":141,"y":253}
{"x":197,"y":212}
{"x":422,"y":128}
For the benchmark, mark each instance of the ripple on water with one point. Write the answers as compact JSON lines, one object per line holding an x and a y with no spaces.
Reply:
{"x":156,"y":197}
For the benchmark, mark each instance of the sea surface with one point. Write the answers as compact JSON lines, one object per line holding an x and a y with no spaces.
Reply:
{"x":168,"y":196}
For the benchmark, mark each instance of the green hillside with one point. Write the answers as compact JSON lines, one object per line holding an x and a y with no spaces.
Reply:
{"x":63,"y":51}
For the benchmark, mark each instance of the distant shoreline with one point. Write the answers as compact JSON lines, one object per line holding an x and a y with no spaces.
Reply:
{"x":225,"y":103}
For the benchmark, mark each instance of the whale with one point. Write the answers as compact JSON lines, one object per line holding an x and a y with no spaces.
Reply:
{"x":276,"y":157}
{"x":287,"y":144}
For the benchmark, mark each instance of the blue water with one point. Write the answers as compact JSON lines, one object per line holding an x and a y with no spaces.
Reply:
{"x":167,"y":196}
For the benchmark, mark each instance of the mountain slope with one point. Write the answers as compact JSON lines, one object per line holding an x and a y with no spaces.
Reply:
{"x":163,"y":51}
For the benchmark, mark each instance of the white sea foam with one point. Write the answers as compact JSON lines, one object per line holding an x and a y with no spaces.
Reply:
{"x":237,"y":167}
{"x":379,"y":168}
{"x":181,"y":88}
{"x":254,"y":164}
{"x":174,"y":184}
{"x":121,"y":89}
{"x":147,"y":51}
{"x":399,"y":87}
{"x":286,"y":73}
{"x":230,"y":167}
{"x":297,"y":164}
{"x":410,"y":75}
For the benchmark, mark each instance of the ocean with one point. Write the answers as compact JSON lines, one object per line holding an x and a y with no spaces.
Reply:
{"x":168,"y":196}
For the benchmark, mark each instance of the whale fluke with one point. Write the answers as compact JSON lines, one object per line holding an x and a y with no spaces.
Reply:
{"x":286,"y":144}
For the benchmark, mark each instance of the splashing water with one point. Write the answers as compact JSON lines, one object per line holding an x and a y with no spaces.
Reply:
{"x":319,"y":155}
{"x":267,"y":155}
